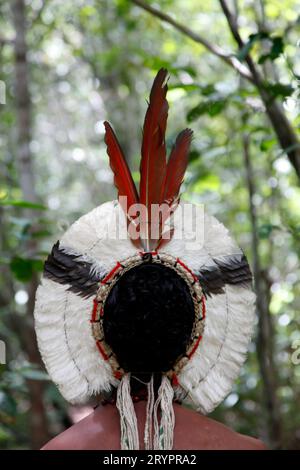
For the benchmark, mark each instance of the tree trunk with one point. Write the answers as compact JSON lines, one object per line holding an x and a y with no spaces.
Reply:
{"x":38,"y":422}
{"x":265,"y":349}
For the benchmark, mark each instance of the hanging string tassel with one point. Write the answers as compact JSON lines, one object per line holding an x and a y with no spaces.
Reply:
{"x":128,"y":420}
{"x":164,"y":431}
{"x":149,"y":415}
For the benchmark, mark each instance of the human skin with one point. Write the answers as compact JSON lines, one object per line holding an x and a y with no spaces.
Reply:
{"x":101,"y":431}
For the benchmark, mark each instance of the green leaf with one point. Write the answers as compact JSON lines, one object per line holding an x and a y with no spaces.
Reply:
{"x":5,"y":435}
{"x":41,"y":234}
{"x":87,"y":11}
{"x":209,"y":182}
{"x":210,"y":107}
{"x":183,"y":86}
{"x":23,"y":204}
{"x":265,"y":230}
{"x":253,"y":38}
{"x":194,"y":155}
{"x":276,"y":50}
{"x":190,"y":70}
{"x":156,"y":62}
{"x":37,"y":264}
{"x":267,"y":144}
{"x":279,"y":89}
{"x":23,"y":269}
{"x":8,"y":118}
{"x":205,"y":90}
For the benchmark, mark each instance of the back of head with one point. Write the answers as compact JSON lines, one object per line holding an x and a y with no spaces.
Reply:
{"x":148,"y":318}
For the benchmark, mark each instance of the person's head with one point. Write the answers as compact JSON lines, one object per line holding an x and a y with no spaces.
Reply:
{"x":148,"y":318}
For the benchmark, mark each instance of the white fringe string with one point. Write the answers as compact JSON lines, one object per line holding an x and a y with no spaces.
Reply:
{"x":149,"y":415}
{"x":164,"y":432}
{"x":128,"y":420}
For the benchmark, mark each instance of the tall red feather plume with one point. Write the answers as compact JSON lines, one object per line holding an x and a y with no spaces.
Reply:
{"x":153,"y":162}
{"x":160,"y":182}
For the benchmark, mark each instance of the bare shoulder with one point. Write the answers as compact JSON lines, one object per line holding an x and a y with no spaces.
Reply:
{"x":60,"y":442}
{"x":250,"y":443}
{"x":201,"y":432}
{"x":99,"y":430}
{"x":69,"y":439}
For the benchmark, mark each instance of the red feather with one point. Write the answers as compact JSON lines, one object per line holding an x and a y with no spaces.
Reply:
{"x":122,"y":176}
{"x":123,"y":179}
{"x":176,"y":167}
{"x":153,"y":162}
{"x":174,"y":176}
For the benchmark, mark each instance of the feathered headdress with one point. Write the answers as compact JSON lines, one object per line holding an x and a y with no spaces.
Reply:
{"x":88,"y":261}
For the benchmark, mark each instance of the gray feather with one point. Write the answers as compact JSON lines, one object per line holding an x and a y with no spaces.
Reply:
{"x":67,"y":268}
{"x":225,"y":270}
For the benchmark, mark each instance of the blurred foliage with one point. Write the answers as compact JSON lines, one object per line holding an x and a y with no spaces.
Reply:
{"x":95,"y":60}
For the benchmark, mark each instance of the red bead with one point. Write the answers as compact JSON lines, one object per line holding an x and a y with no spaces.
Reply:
{"x":118,"y":375}
{"x":175,"y":381}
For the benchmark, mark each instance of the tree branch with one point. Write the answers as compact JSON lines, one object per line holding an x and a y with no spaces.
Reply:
{"x":6,"y":41}
{"x":232,"y":23}
{"x":214,"y":49}
{"x":281,"y":125}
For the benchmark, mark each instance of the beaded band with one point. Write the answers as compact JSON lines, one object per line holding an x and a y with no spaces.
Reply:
{"x":108,"y":282}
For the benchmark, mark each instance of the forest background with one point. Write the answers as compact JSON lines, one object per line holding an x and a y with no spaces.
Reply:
{"x":65,"y":66}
